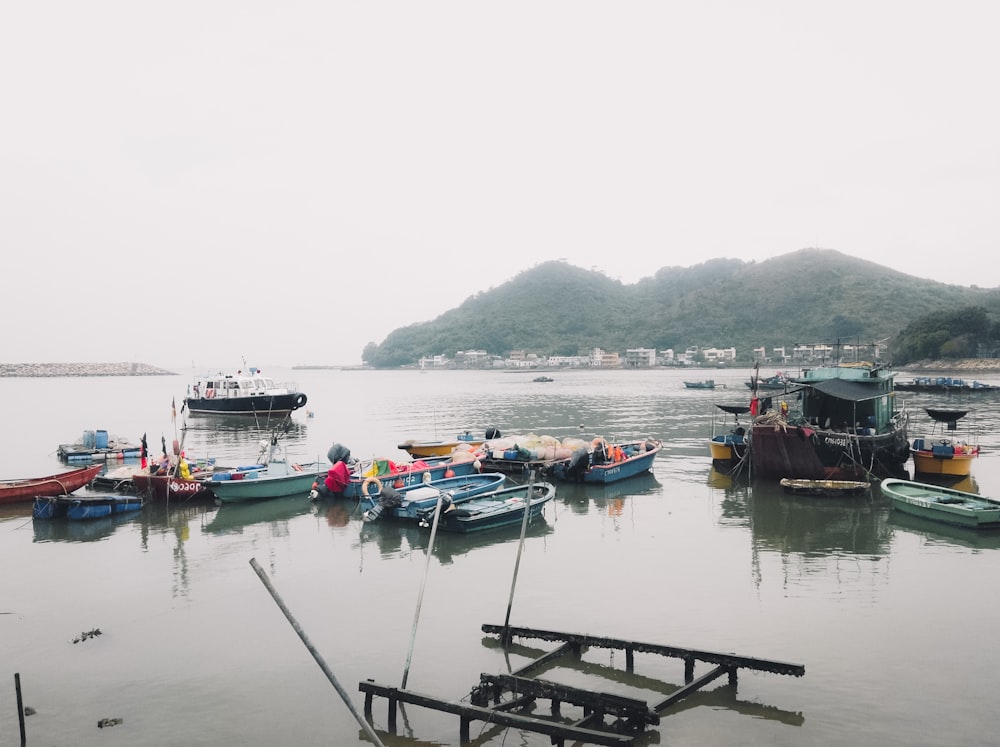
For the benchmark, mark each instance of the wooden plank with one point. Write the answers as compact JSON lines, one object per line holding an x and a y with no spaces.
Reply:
{"x":690,"y":688}
{"x":617,"y":705}
{"x":729,"y":660}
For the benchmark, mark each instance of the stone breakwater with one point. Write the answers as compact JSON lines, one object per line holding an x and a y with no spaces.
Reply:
{"x":81,"y":369}
{"x":964,"y":365}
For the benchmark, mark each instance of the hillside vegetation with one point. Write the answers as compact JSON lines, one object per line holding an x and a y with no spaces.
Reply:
{"x":808,"y":296}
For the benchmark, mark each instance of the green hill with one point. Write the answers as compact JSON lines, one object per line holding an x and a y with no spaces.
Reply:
{"x":808,"y":296}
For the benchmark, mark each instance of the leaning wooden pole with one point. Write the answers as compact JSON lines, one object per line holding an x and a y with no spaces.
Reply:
{"x":423,"y":583}
{"x":20,"y":707}
{"x":315,"y":654}
{"x":524,"y":528}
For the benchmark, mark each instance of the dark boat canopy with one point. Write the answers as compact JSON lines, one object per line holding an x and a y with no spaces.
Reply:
{"x":946,"y":416}
{"x":734,"y":409}
{"x":853,"y":391}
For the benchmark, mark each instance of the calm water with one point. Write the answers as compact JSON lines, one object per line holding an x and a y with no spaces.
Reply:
{"x":894,"y":620}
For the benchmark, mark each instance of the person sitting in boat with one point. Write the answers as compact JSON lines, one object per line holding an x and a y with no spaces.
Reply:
{"x":184,"y":469}
{"x":337,"y":477}
{"x":162,"y":467}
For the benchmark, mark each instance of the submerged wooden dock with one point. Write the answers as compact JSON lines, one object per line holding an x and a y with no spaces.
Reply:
{"x":603,"y":718}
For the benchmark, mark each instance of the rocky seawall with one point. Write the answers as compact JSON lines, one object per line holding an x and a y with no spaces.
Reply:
{"x":959,"y":365}
{"x":81,"y":369}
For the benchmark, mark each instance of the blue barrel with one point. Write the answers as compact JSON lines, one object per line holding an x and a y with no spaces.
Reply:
{"x":88,"y":439}
{"x":101,"y":440}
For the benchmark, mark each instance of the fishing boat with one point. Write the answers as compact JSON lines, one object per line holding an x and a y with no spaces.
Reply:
{"x":243,"y":393}
{"x":942,"y":504}
{"x":728,"y":442}
{"x":706,"y":384}
{"x":436,"y":448}
{"x":492,"y":510}
{"x":825,"y":487}
{"x":848,"y":427}
{"x":543,"y":379}
{"x":25,"y":490}
{"x":406,"y":474}
{"x":944,"y":385}
{"x":604,"y":462}
{"x":408,"y":502}
{"x":278,"y":479}
{"x":776,"y":382}
{"x":944,"y":451}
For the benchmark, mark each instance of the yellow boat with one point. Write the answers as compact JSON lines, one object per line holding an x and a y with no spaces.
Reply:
{"x":438,"y":448}
{"x":944,"y":453}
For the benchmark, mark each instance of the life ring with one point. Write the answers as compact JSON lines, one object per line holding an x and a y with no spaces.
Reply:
{"x":300,"y":401}
{"x":209,"y":393}
{"x":368,"y":481}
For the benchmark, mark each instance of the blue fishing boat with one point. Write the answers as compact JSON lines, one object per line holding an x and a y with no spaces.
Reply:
{"x":604,"y":463}
{"x":409,"y":502}
{"x":493,"y":510}
{"x":401,"y":476}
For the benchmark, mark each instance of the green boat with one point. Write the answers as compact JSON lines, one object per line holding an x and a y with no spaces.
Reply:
{"x":942,"y":504}
{"x":279,"y":479}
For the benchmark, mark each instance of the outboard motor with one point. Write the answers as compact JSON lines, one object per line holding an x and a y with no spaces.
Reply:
{"x":492,"y":433}
{"x":338,"y":453}
{"x":389,"y":498}
{"x":427,"y":515}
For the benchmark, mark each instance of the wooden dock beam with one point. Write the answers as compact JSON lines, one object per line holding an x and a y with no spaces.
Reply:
{"x":469,"y":713}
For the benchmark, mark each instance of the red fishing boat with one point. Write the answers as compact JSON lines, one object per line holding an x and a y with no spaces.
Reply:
{"x":24,"y":490}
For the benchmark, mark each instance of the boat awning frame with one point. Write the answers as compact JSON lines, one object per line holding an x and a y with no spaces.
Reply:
{"x":848,"y":390}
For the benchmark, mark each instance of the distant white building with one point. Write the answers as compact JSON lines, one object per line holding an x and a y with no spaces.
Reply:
{"x":640,"y":357}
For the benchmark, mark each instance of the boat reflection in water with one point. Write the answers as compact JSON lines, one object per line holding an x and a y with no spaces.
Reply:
{"x":610,"y":498}
{"x":235,"y":517}
{"x":402,"y":539}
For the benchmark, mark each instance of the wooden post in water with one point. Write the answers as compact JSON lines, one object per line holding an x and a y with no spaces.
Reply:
{"x":505,"y":637}
{"x":315,"y":654}
{"x":20,"y":706}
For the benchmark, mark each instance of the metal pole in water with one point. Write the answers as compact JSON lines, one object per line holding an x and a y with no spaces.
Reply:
{"x":315,"y":654}
{"x":423,"y":583}
{"x":524,"y":528}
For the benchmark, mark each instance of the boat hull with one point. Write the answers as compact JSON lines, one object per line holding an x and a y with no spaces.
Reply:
{"x":929,"y":463}
{"x":264,"y":405}
{"x":825,"y":487}
{"x":269,"y":483}
{"x":25,"y":491}
{"x":167,"y":488}
{"x":494,"y":510}
{"x":803,"y":453}
{"x":727,"y":448}
{"x":419,"y":498}
{"x":612,"y":471}
{"x":411,"y":477}
{"x":941,"y":504}
{"x":424,"y":449}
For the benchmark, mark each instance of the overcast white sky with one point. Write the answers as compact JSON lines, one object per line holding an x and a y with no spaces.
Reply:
{"x":202,"y":182}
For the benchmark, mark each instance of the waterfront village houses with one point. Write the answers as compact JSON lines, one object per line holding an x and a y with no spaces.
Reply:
{"x":642,"y":358}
